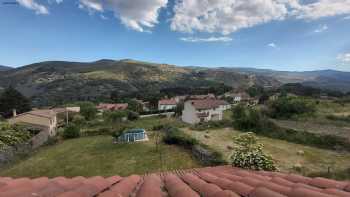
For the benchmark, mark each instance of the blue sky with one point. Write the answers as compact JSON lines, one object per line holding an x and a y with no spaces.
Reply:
{"x":285,"y":35}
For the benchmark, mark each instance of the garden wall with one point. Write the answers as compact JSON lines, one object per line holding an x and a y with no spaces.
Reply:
{"x":12,"y":152}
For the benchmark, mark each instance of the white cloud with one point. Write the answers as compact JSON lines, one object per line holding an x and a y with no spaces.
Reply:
{"x":209,"y":39}
{"x":139,"y":15}
{"x":273,"y":45}
{"x":321,"y":29}
{"x":228,"y":16}
{"x":33,"y":5}
{"x":321,"y":8}
{"x":224,"y":16}
{"x":345,"y":57}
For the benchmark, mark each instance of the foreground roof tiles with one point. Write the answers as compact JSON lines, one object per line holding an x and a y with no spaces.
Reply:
{"x":221,"y":181}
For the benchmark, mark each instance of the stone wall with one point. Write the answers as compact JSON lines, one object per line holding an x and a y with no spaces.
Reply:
{"x":9,"y":154}
{"x":206,"y":157}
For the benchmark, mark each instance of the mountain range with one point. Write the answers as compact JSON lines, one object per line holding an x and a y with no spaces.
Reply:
{"x":4,"y":68}
{"x":51,"y":82}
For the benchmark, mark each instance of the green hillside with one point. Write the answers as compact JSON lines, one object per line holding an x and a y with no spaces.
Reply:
{"x":54,"y":82}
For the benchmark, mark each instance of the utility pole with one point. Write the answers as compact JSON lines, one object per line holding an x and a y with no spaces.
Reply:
{"x":67,"y":118}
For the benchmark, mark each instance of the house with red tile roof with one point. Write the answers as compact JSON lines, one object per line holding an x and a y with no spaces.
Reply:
{"x":196,"y":111}
{"x":167,"y":104}
{"x":112,"y":106}
{"x":220,"y":181}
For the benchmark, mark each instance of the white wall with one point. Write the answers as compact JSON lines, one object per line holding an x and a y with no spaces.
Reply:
{"x":166,"y":107}
{"x":189,"y":114}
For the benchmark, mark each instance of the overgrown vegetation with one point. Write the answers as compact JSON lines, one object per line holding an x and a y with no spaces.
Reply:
{"x":289,"y":107}
{"x":88,"y":110}
{"x":249,"y":154}
{"x":204,"y":153}
{"x":71,"y":131}
{"x":254,"y":120}
{"x":10,"y":135}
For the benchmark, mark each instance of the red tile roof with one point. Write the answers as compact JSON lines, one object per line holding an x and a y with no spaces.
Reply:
{"x":167,"y":102}
{"x":207,"y":103}
{"x":110,"y":106}
{"x":218,"y":181}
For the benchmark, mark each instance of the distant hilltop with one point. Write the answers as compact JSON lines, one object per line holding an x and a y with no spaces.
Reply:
{"x":58,"y":81}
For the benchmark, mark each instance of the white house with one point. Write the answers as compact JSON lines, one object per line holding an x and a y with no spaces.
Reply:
{"x":167,"y":104}
{"x":42,"y":118}
{"x":196,"y":111}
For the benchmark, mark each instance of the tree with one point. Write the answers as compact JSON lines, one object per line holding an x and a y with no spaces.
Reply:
{"x":11,"y":99}
{"x":114,"y":116}
{"x":135,"y":106}
{"x":249,"y":154}
{"x":88,"y":110}
{"x":71,"y":131}
{"x":287,"y":107}
{"x":179,"y":108}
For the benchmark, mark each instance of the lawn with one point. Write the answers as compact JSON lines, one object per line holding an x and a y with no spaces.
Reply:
{"x":146,"y":123}
{"x":314,"y":161}
{"x":92,"y":156}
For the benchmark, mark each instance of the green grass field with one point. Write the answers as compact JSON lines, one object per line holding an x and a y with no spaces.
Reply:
{"x":314,"y":161}
{"x":92,"y":156}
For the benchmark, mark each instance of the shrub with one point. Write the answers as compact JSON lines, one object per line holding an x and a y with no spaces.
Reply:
{"x":206,"y":155}
{"x":248,"y":119}
{"x":114,"y":116}
{"x":11,"y":135}
{"x":78,"y":119}
{"x":71,"y":131}
{"x":88,"y":110}
{"x":175,"y":136}
{"x":248,"y":154}
{"x":133,"y":115}
{"x":288,"y":107}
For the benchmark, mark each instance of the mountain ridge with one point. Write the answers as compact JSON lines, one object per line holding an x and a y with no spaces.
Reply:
{"x":51,"y":82}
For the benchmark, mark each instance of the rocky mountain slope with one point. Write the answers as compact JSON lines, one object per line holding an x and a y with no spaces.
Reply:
{"x":324,"y":79}
{"x":48,"y":83}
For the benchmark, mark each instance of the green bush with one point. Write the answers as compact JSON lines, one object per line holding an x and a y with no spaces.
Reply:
{"x":11,"y":135}
{"x":78,"y":119}
{"x":251,"y":120}
{"x":248,"y":154}
{"x":71,"y":131}
{"x":175,"y":136}
{"x":88,"y":110}
{"x":133,"y":115}
{"x":288,"y":107}
{"x":114,"y":116}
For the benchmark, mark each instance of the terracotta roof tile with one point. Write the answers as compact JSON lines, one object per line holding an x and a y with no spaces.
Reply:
{"x":177,"y":188}
{"x":264,"y":192}
{"x":151,"y":187}
{"x":123,"y":188}
{"x":298,"y":192}
{"x":220,"y":181}
{"x":327,"y":183}
{"x":337,"y":192}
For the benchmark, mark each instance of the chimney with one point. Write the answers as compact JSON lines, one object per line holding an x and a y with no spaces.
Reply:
{"x":14,"y":112}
